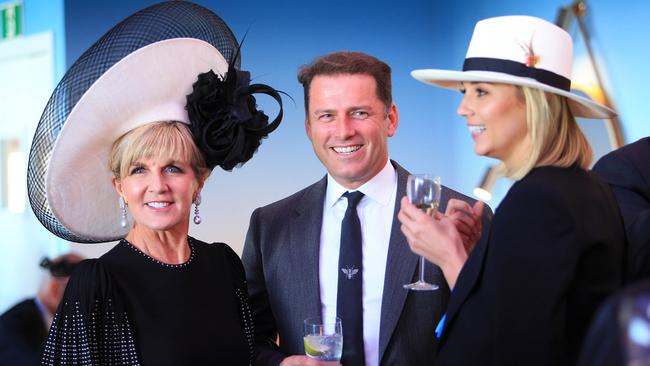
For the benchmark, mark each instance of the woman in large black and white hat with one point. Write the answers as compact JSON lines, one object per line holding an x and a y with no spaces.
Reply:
{"x":121,"y":153}
{"x":526,"y":293}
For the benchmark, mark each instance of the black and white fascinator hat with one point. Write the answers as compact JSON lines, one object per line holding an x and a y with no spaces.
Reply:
{"x":172,"y":61}
{"x":519,"y":50}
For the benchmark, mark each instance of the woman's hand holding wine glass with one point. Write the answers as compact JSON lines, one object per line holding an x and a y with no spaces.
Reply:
{"x":467,"y":219}
{"x":434,"y":238}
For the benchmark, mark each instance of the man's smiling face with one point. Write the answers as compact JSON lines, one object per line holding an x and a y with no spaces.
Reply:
{"x":349,"y":127}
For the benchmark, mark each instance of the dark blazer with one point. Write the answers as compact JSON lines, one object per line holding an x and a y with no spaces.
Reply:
{"x":22,"y":334}
{"x":281,"y":261}
{"x":627,"y":171}
{"x":529,"y":289}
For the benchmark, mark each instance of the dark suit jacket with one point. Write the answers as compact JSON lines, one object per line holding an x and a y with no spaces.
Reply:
{"x":22,"y":334}
{"x":627,"y":170}
{"x":529,"y":289}
{"x":281,"y":261}
{"x":607,"y":342}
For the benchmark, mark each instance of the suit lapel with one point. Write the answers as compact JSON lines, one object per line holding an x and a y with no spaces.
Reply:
{"x":305,"y":238}
{"x":400,"y":267}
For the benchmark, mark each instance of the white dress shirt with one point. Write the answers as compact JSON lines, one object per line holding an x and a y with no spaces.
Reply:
{"x":375,"y":212}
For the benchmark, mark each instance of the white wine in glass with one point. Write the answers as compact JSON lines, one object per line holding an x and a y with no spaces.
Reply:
{"x":424,"y":192}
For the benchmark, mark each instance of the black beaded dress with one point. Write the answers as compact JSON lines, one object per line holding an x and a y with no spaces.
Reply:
{"x":126,"y":308}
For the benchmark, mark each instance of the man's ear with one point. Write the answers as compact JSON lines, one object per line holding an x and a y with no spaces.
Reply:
{"x":393,"y":120}
{"x":307,"y":128}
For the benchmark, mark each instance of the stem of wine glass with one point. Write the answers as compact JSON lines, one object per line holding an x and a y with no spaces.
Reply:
{"x":421,"y":269}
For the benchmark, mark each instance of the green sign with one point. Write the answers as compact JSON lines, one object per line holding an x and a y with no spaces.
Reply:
{"x":11,"y":16}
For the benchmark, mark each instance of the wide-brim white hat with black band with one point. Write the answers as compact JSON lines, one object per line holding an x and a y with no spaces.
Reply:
{"x":173,"y":61}
{"x":519,"y":50}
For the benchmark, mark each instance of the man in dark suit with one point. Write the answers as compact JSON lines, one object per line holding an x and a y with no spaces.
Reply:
{"x":292,"y":255}
{"x":627,"y":171}
{"x":23,"y":328}
{"x":618,"y":333}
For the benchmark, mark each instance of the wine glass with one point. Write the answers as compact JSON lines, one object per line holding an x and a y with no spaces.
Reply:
{"x":423,"y":191}
{"x":633,"y":316}
{"x":323,"y":339}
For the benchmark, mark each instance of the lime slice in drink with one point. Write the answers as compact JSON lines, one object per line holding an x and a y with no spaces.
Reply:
{"x":314,"y":347}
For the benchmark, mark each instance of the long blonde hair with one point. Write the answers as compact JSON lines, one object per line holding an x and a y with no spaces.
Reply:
{"x":555,"y":137}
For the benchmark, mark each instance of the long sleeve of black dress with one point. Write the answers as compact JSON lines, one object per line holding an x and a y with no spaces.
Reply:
{"x":91,"y":326}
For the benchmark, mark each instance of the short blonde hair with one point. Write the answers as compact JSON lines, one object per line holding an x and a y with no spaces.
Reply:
{"x":160,"y":140}
{"x":555,"y":137}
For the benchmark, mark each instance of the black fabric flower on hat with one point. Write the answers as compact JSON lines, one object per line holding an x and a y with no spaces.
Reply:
{"x":224,"y":119}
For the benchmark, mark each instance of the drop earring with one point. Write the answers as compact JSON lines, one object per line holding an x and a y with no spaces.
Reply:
{"x":197,"y":202}
{"x":123,"y":213}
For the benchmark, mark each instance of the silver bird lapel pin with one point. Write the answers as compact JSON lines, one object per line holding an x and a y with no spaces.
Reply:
{"x":350,"y":272}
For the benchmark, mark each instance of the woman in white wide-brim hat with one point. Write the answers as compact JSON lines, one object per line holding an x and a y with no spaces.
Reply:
{"x":121,"y":153}
{"x":527,"y":291}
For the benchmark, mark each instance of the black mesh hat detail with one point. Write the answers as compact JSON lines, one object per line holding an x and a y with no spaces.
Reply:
{"x":164,"y":21}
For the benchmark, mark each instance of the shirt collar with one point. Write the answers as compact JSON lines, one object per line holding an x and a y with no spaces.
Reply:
{"x":379,"y":188}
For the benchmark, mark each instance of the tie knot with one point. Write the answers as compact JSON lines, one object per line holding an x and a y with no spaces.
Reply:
{"x":353,"y":198}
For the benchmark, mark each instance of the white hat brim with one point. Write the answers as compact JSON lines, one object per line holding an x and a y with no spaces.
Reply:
{"x":449,"y":79}
{"x":148,"y":85}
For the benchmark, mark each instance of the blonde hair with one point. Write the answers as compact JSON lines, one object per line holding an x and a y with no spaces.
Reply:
{"x":555,"y":137}
{"x":159,"y":140}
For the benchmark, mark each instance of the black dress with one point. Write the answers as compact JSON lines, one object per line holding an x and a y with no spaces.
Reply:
{"x":127,"y":308}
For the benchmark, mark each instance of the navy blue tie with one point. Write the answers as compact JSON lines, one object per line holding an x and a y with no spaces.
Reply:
{"x":349,"y":306}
